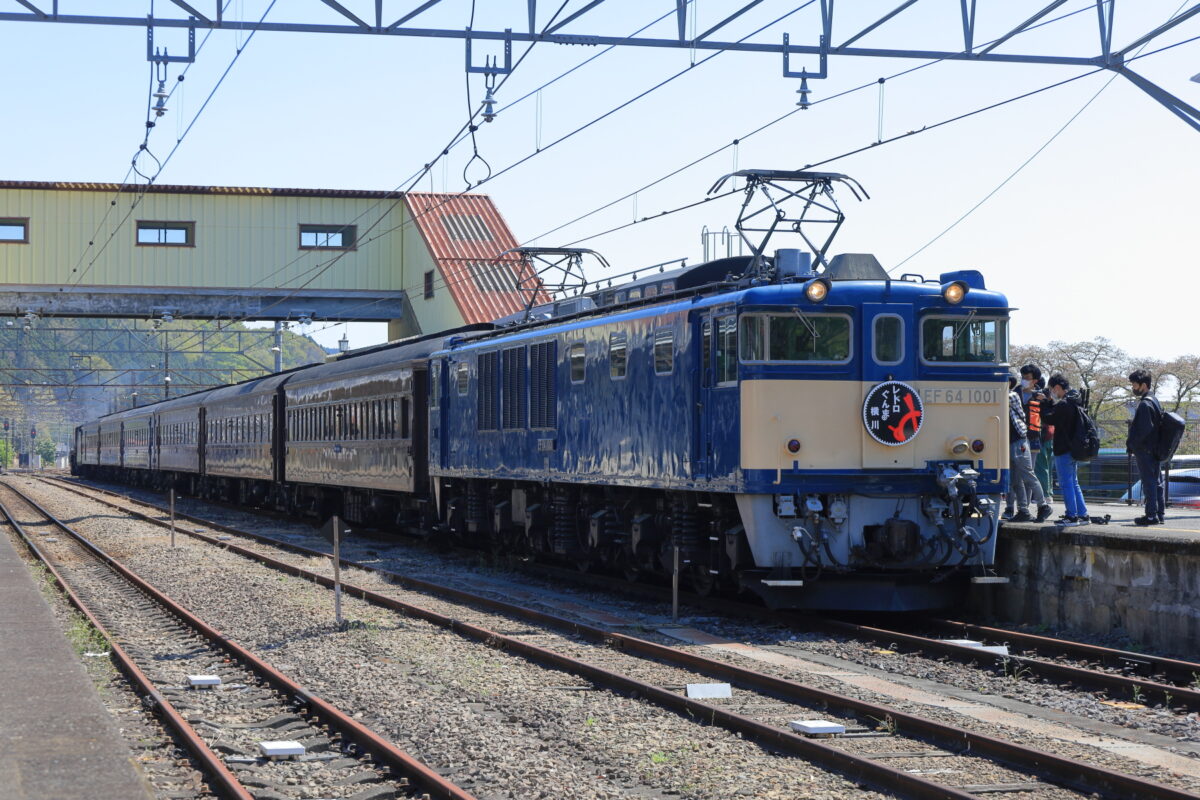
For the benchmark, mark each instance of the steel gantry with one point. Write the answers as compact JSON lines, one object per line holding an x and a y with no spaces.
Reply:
{"x":821,"y":40}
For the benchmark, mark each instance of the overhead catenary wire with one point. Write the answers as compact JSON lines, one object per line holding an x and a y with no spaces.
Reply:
{"x":178,"y":142}
{"x":149,"y":127}
{"x":318,"y":270}
{"x":765,"y":126}
{"x":1020,"y":168}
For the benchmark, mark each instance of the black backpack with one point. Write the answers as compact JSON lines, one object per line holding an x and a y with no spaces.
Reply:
{"x":1085,"y":439}
{"x":1170,"y":432}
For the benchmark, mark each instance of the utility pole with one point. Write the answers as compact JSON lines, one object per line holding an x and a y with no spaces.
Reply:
{"x":278,"y":348}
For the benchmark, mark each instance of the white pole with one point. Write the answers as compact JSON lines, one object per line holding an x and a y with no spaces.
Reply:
{"x":675,"y":588}
{"x":172,"y":518}
{"x":337,"y":570}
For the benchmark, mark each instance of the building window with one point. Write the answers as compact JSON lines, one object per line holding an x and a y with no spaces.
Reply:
{"x":328,"y":237}
{"x":429,"y":285}
{"x":664,"y":352}
{"x":578,"y":359}
{"x":166,"y":234}
{"x":14,"y":230}
{"x":617,"y":355}
{"x":469,"y":227}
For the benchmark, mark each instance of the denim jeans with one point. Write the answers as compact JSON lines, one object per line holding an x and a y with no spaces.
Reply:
{"x":1068,"y":480}
{"x":1024,"y":483}
{"x":1153,"y":491}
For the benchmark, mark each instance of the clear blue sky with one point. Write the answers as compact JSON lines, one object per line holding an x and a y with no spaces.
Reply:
{"x":1098,"y":236}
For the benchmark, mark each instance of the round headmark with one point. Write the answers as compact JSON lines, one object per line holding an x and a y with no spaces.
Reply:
{"x":893,"y":413}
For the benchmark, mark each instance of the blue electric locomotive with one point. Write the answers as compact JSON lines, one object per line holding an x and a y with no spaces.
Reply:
{"x":822,"y":437}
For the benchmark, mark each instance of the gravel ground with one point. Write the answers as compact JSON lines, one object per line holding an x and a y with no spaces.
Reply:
{"x":156,"y":752}
{"x":464,"y":572}
{"x":495,"y":724}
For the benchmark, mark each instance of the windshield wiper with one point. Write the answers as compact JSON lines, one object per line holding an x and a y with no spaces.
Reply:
{"x":808,"y":323}
{"x":962,"y":327}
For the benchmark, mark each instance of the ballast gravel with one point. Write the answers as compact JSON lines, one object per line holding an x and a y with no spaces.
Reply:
{"x":465,"y":572}
{"x":496,"y":724}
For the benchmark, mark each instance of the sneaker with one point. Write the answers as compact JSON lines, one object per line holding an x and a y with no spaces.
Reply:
{"x":1084,"y":520}
{"x":1067,"y":522}
{"x":1021,"y":516}
{"x":1007,"y":515}
{"x":1142,"y":522}
{"x":1044,"y":513}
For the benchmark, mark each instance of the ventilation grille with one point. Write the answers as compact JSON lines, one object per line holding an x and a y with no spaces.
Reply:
{"x":488,"y":397}
{"x":543,"y":402}
{"x":515,"y":405}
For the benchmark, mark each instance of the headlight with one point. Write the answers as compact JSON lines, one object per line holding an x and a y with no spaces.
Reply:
{"x":817,"y":290}
{"x":957,"y":446}
{"x":954,"y":292}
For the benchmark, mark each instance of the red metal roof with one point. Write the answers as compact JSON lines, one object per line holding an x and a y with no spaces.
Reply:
{"x":264,"y":191}
{"x":465,"y":234}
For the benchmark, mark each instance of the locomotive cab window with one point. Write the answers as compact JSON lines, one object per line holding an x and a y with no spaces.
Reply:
{"x":964,"y":340}
{"x":888,"y":339}
{"x":793,"y":339}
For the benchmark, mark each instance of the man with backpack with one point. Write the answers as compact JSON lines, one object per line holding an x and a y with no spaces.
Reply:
{"x":1064,"y":410}
{"x":1142,"y":444}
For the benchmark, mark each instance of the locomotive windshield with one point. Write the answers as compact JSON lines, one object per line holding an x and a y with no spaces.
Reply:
{"x":795,"y":339}
{"x":964,"y":340}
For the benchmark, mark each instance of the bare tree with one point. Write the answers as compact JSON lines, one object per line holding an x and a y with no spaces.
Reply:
{"x":1185,"y":371}
{"x":1097,"y":366}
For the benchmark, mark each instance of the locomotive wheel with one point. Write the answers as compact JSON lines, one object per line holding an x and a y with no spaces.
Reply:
{"x":703,"y":582}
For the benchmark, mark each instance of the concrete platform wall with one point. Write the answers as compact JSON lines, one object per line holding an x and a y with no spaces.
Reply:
{"x":1104,"y":582}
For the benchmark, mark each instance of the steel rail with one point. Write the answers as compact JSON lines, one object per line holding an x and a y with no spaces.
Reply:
{"x":217,"y":773}
{"x":1061,"y":770}
{"x":386,"y":752}
{"x":1184,"y":672}
{"x":1080,"y":676}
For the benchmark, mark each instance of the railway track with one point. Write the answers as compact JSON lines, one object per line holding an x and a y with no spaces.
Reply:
{"x":885,"y":747}
{"x":158,"y":644}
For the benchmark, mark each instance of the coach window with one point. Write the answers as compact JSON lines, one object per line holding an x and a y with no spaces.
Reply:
{"x":577,"y":358}
{"x":664,"y":352}
{"x":727,"y":362}
{"x":618,"y":361}
{"x":462,"y":378}
{"x":888,"y":339}
{"x":405,"y":410}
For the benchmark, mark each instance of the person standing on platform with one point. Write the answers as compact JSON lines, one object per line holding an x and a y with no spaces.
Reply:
{"x":1062,"y":411}
{"x":1041,"y":433}
{"x":1142,"y":444}
{"x":1024,"y":487}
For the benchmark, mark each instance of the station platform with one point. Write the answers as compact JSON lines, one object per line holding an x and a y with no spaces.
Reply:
{"x":56,"y":738}
{"x":1136,"y":585}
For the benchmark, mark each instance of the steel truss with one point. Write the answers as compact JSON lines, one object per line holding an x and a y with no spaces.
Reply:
{"x":82,"y":379}
{"x":390,"y":18}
